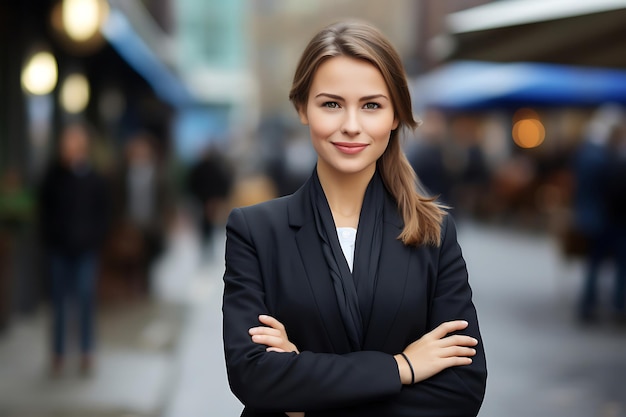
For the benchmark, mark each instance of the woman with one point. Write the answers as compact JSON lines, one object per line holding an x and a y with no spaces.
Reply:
{"x":350,"y":297}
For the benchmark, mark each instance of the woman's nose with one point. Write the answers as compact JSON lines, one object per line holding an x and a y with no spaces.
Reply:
{"x":351,"y":124}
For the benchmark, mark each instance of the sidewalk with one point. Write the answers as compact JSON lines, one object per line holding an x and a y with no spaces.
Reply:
{"x":133,"y":370}
{"x":541,"y":360}
{"x":137,"y":362}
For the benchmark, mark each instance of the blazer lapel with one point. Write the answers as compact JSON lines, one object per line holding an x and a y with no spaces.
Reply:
{"x":315,"y":268}
{"x":393,"y":270}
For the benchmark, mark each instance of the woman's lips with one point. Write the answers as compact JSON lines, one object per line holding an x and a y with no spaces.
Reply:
{"x":349,"y":147}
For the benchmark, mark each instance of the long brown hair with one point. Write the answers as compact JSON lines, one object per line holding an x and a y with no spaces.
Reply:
{"x":422,"y":215}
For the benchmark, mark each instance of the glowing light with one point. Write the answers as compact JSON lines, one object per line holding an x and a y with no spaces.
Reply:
{"x":75,"y":93}
{"x":528,"y":133}
{"x":40,"y":74}
{"x":81,"y":18}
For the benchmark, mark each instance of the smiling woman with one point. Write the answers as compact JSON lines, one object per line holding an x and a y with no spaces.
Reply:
{"x":350,"y":117}
{"x":350,"y":297}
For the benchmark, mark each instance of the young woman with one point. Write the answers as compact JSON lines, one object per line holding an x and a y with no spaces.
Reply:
{"x":351,"y":297}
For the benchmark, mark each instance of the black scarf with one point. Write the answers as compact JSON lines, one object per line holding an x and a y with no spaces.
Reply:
{"x":355,"y":291}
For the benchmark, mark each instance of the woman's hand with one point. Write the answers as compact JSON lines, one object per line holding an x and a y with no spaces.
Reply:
{"x":273,"y":335}
{"x":436,"y":351}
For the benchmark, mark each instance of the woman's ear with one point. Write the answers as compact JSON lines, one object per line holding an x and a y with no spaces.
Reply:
{"x":304,"y":119}
{"x":396,"y":123}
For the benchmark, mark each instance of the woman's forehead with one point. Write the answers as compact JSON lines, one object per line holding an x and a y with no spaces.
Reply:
{"x":348,"y":74}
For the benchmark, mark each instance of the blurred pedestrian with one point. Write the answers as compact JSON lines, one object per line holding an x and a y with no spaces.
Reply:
{"x":427,"y":157}
{"x":362,"y":272}
{"x":592,"y":175}
{"x":211,"y":181}
{"x":73,"y":207}
{"x":142,"y":210}
{"x":616,"y":206}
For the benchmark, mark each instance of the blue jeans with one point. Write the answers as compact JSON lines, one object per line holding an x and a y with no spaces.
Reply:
{"x":619,"y":299}
{"x":73,"y":299}
{"x":611,"y":244}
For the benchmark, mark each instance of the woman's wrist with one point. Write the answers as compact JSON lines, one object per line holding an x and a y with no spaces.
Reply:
{"x":403,"y":369}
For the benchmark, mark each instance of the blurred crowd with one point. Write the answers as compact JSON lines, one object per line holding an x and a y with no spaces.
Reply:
{"x":88,"y":232}
{"x":573,"y":188}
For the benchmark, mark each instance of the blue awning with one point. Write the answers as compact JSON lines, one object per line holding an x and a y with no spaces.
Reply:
{"x":131,"y":47}
{"x":474,"y":84}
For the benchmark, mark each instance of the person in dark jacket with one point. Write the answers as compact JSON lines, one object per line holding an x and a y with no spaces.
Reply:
{"x":73,"y":206}
{"x":210,"y":182}
{"x":616,"y":208}
{"x":593,"y":218}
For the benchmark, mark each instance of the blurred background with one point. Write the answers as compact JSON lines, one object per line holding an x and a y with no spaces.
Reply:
{"x":184,"y":104}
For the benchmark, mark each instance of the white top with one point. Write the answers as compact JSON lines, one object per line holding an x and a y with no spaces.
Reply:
{"x":347,"y":239}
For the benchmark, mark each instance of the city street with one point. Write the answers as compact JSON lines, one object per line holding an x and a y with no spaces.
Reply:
{"x":541,"y":361}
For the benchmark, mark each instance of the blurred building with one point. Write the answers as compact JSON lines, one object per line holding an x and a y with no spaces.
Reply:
{"x":279,"y":31}
{"x":538,"y":31}
{"x":430,"y":18}
{"x":168,"y":68}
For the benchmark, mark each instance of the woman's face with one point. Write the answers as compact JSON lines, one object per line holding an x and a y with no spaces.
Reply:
{"x":349,"y":114}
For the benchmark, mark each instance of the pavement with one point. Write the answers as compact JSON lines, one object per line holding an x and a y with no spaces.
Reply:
{"x":157,"y":357}
{"x":163,"y":357}
{"x":541,"y":360}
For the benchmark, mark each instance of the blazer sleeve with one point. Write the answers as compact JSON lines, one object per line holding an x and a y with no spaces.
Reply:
{"x":272,"y":381}
{"x":454,"y":392}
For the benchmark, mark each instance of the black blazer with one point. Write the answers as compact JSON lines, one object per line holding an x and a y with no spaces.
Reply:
{"x":275,"y":266}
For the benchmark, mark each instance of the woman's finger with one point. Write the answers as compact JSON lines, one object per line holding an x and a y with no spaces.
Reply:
{"x":271,"y":321}
{"x":455,"y":361}
{"x":265,"y":330}
{"x":448,"y":327}
{"x":457,"y":351}
{"x":458,"y":340}
{"x":271,"y":341}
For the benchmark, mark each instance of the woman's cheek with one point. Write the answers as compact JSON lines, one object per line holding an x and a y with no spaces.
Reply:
{"x":323,"y":126}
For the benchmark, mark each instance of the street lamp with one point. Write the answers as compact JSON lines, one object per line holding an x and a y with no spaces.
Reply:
{"x":81,"y":18}
{"x":40,"y":74}
{"x":74,"y":94}
{"x":77,"y":24}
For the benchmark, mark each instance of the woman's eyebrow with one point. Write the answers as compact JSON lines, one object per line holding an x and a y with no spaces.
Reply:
{"x":364,"y":98}
{"x":332,"y":96}
{"x":374,"y":97}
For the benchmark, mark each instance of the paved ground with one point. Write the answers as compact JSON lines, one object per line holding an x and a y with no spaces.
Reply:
{"x":164,"y":358}
{"x":157,"y":358}
{"x":541,"y":361}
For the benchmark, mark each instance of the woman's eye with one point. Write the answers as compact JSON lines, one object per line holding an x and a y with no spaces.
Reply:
{"x":331,"y":104}
{"x":371,"y":106}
